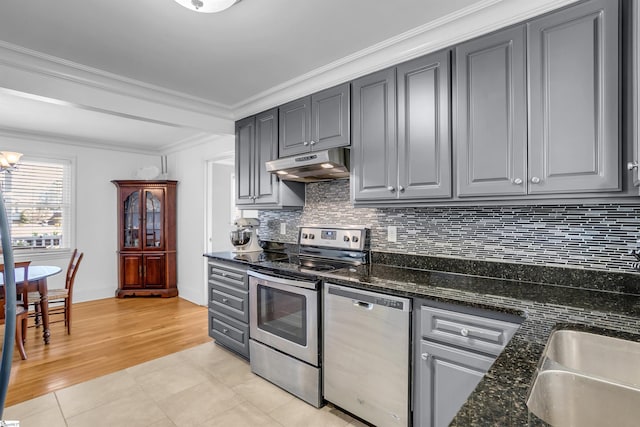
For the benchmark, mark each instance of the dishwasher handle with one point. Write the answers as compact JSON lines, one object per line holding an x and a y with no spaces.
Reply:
{"x":368,"y":300}
{"x":362,"y":304}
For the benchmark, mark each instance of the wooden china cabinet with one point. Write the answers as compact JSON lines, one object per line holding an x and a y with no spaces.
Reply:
{"x":147,"y":238}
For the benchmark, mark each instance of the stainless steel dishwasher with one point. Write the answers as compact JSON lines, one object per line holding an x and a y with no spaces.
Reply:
{"x":366,"y":354}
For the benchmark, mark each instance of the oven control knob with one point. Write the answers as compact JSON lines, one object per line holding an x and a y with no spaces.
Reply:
{"x":346,"y":238}
{"x":304,"y":235}
{"x":312,"y":236}
{"x":354,"y":239}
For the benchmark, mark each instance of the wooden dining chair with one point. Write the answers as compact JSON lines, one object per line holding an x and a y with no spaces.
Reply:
{"x":59,"y":300}
{"x":22,"y":307}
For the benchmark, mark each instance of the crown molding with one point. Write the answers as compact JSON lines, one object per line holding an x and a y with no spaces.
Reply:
{"x":49,"y":137}
{"x":190,"y":142}
{"x":58,"y":68}
{"x":478,"y":19}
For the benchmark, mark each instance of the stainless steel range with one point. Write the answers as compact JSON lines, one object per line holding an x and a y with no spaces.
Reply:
{"x":284,"y":324}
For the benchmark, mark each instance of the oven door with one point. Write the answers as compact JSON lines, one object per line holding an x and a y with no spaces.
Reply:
{"x":284,"y":316}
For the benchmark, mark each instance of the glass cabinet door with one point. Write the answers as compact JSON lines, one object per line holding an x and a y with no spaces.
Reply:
{"x":132,"y":220}
{"x":153,"y":219}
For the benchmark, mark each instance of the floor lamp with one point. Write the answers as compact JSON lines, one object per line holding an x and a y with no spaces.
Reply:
{"x":8,"y":161}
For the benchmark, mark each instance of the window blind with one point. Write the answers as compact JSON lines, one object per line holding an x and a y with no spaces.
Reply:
{"x":38,"y":201}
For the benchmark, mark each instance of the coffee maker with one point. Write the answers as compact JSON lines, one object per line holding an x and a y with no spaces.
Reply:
{"x":245,"y":238}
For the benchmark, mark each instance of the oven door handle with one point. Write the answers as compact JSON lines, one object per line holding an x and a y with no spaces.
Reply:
{"x":311,"y":284}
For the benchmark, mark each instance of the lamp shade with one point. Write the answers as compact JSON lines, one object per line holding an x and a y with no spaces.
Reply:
{"x":8,"y":159}
{"x":207,"y":6}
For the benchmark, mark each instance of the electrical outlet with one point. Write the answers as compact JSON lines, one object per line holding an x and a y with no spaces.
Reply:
{"x":392,"y":234}
{"x":283,"y":228}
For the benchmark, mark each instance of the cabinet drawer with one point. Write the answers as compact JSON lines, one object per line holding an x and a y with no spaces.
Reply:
{"x":229,"y":275}
{"x":229,"y":301}
{"x":466,"y":330}
{"x":229,"y":333}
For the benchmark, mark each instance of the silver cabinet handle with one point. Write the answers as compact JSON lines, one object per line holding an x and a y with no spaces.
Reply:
{"x":535,"y":180}
{"x":305,"y":143}
{"x":224,"y":275}
{"x":390,"y":188}
{"x":632,"y":165}
{"x":424,"y":356}
{"x":225,"y":300}
{"x":517,"y":181}
{"x":313,"y":142}
{"x":464,"y":332}
{"x":400,"y":188}
{"x":225,"y":330}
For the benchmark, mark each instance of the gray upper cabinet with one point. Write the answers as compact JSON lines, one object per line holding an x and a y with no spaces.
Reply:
{"x":573,"y":75}
{"x":245,"y":168}
{"x":407,"y":158}
{"x":491,"y":115}
{"x":295,"y":127}
{"x":633,"y":165}
{"x":424,"y":131}
{"x":373,"y":149}
{"x":315,"y":122}
{"x":257,"y":143}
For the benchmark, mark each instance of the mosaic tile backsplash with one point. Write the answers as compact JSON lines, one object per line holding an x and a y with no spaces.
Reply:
{"x":597,"y":236}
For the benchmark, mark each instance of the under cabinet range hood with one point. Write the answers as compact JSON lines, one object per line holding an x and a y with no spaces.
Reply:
{"x":314,"y":166}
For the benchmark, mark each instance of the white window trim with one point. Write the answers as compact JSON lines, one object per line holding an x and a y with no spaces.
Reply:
{"x":70,"y":225}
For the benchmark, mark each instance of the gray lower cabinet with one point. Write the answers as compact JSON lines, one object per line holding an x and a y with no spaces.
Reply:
{"x":491,"y":115}
{"x":414,"y":161}
{"x":574,"y":144}
{"x":316,"y":122}
{"x":228,"y":289}
{"x":447,"y":376}
{"x":454,"y":346}
{"x":257,"y":143}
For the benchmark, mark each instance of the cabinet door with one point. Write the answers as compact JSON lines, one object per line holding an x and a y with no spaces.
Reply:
{"x":633,"y":166}
{"x":131,"y":271}
{"x":491,"y":115}
{"x":374,"y":159}
{"x":131,"y":237}
{"x":330,"y":118}
{"x":245,"y":143}
{"x":295,"y":127}
{"x":153,"y":219}
{"x":424,"y":130}
{"x":154,"y":271}
{"x":446,"y":376}
{"x":573,"y":59}
{"x":266,"y":148}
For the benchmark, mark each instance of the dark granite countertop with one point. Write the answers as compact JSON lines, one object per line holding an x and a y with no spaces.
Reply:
{"x":500,"y":398}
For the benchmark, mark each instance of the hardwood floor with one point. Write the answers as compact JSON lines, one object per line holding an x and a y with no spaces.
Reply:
{"x":107,"y":335}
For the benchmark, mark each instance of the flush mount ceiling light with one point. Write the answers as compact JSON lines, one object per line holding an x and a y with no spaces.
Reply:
{"x":207,"y":6}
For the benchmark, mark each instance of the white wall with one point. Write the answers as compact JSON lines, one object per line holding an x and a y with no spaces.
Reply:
{"x":189,"y":168}
{"x":221,"y":207}
{"x":95,"y":214}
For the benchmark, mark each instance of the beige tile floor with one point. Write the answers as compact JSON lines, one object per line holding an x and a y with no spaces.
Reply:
{"x":200,"y":387}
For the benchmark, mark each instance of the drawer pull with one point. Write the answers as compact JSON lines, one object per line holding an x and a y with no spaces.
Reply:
{"x":224,"y":274}
{"x":424,"y":356}
{"x":225,"y":330}
{"x":225,"y":300}
{"x":464,"y":332}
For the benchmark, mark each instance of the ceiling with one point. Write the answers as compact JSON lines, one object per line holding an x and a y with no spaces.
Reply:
{"x":220,"y":60}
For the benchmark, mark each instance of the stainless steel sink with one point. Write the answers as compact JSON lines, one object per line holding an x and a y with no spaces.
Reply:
{"x":610,"y":358}
{"x":586,"y":379}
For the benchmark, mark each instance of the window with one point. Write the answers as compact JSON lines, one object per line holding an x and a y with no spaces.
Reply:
{"x":37,"y":198}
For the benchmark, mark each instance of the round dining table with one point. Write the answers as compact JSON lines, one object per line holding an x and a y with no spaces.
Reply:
{"x":37,"y":281}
